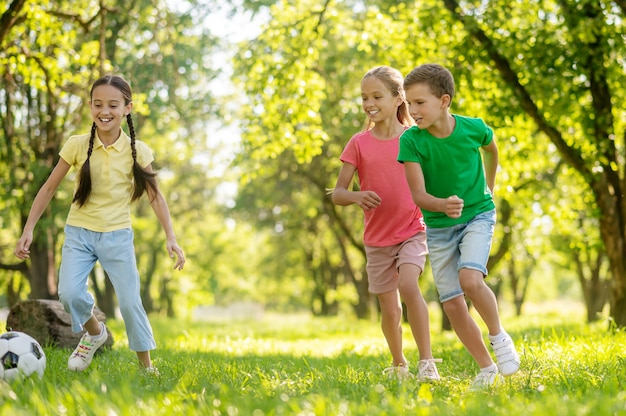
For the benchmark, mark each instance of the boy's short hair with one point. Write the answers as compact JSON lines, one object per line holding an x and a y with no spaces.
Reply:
{"x":438,"y":78}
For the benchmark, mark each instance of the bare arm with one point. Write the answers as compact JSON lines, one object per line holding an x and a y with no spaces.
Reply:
{"x":40,"y":203}
{"x":162,"y":212}
{"x":452,"y":206}
{"x":343,"y":196}
{"x":490,"y":161}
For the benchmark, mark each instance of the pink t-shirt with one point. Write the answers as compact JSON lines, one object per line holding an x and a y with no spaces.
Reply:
{"x":397,"y":218}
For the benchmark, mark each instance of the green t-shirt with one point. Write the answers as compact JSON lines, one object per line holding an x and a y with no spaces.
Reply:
{"x":452,"y":166}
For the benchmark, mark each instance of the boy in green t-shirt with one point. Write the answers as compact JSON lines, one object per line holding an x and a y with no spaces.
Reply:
{"x":453,"y":185}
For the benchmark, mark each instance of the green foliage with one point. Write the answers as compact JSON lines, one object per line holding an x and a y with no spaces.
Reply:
{"x":54,"y":51}
{"x":543,"y":74}
{"x":282,"y":243}
{"x":288,"y":365}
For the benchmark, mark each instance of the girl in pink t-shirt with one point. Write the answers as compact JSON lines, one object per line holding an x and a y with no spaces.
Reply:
{"x":394,"y":235}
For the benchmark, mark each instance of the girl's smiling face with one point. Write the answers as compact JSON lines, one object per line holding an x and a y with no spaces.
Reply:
{"x":377,"y":101}
{"x":108,"y":108}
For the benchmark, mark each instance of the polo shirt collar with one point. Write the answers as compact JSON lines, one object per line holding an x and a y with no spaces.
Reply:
{"x":119,"y":144}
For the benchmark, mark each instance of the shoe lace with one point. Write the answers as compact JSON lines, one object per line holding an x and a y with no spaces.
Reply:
{"x":398,"y":370}
{"x":427,"y":367}
{"x":83,"y":348}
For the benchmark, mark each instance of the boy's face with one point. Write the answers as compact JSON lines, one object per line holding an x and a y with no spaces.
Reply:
{"x":424,"y":107}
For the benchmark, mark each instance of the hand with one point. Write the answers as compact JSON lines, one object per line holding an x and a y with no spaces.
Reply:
{"x":453,"y":206}
{"x":174,"y":249}
{"x":23,"y":245}
{"x":367,"y":200}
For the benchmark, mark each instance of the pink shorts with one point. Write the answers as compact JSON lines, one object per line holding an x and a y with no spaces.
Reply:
{"x":383,"y":262}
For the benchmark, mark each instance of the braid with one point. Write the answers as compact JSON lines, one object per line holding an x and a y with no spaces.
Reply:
{"x":131,"y":130}
{"x":144,"y":180}
{"x":84,"y":182}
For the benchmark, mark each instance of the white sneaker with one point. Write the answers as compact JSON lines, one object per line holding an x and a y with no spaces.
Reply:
{"x":428,"y":369}
{"x":506,"y":356}
{"x":485,"y":380}
{"x":83,"y":354}
{"x":401,"y":372}
{"x":152,"y":371}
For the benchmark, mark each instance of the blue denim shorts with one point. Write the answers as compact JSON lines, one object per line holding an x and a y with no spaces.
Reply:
{"x":460,"y":246}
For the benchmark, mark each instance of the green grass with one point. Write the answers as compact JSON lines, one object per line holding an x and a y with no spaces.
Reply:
{"x":298,"y":365}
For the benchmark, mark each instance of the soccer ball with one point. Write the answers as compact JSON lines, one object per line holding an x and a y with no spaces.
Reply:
{"x":20,"y":356}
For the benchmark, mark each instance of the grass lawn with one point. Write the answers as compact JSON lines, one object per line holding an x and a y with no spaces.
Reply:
{"x":299,"y":365}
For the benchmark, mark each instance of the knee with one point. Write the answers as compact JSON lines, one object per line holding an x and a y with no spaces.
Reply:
{"x":391,"y":312}
{"x":470,"y":287}
{"x":471,"y":282}
{"x":455,"y":307}
{"x":409,"y":290}
{"x":71,"y":296}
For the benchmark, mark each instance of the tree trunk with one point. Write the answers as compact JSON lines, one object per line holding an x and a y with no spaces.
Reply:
{"x":365,"y":308}
{"x":599,"y":167}
{"x":42,"y":276}
{"x":446,"y":325}
{"x":612,"y":230}
{"x":594,"y":287}
{"x":104,"y":295}
{"x":47,"y":322}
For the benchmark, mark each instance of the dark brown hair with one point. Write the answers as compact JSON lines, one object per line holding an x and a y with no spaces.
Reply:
{"x":392,"y":79}
{"x":143,"y":180}
{"x":439,"y":79}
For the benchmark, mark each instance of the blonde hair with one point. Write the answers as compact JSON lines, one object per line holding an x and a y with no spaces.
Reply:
{"x":392,"y":79}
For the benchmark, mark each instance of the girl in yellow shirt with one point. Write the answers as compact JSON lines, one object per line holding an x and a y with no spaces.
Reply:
{"x":115,"y":170}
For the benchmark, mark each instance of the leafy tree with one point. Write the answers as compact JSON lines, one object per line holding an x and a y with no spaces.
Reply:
{"x":564,"y":70}
{"x":544,"y":74}
{"x":51,"y":52}
{"x":302,"y":79}
{"x":38,"y":105}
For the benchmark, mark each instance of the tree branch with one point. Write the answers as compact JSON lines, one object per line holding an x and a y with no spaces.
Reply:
{"x":571,"y":154}
{"x":10,"y":18}
{"x":19,"y":267}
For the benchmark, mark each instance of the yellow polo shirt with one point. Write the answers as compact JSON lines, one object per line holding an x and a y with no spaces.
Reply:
{"x":108,"y":206}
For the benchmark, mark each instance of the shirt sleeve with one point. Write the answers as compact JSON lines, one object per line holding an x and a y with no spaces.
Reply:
{"x":70,"y":150}
{"x":144,"y":154}
{"x":488,"y":136}
{"x":407,"y":151}
{"x":350,"y":153}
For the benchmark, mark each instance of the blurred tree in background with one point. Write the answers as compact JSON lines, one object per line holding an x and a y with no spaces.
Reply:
{"x":51,"y":53}
{"x":547,"y":75}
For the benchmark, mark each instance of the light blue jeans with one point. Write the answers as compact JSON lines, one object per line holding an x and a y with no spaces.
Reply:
{"x":116,"y":253}
{"x":460,"y":246}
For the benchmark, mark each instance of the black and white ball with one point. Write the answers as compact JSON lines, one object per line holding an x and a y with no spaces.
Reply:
{"x":20,"y":356}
